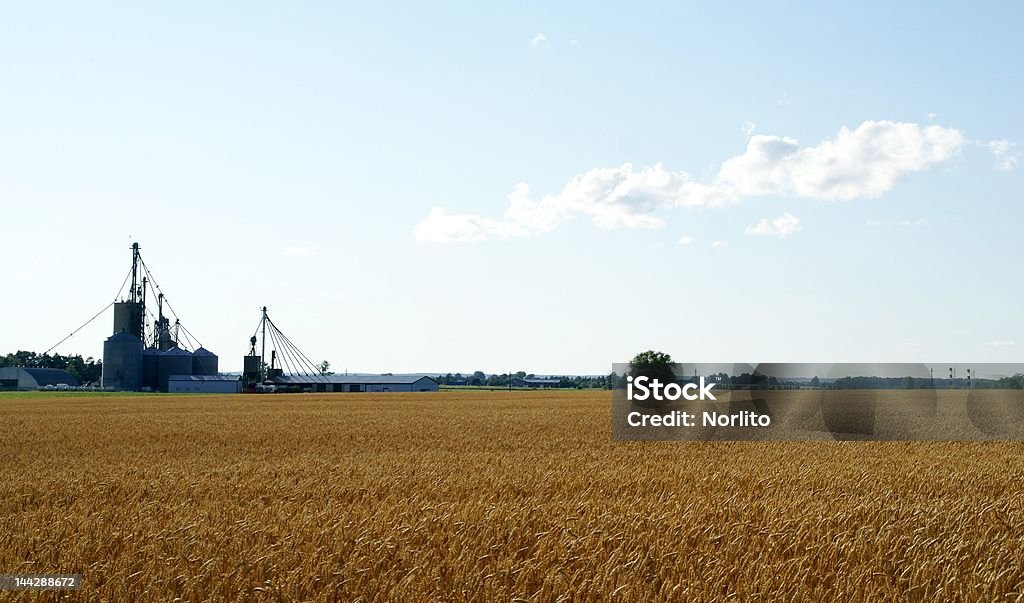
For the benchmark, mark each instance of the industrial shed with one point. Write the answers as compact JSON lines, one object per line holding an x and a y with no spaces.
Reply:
{"x":204,"y":384}
{"x":25,"y":379}
{"x":359,"y":383}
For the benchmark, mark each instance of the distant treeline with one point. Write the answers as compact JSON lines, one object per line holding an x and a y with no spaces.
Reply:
{"x":754,"y":381}
{"x":757,"y":381}
{"x":1014,"y":382}
{"x":760,"y":382}
{"x":86,"y":370}
{"x":480,"y":379}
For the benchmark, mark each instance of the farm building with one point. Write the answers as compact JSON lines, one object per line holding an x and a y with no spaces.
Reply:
{"x":20,"y":378}
{"x":359,"y":383}
{"x":204,"y":384}
{"x":535,"y":383}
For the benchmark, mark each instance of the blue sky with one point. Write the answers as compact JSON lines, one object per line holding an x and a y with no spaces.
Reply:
{"x":292,"y":155}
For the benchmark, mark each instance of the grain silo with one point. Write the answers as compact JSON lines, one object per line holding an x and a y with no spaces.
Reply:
{"x":174,"y":361}
{"x":128,"y":318}
{"x":151,"y":368}
{"x":204,"y":362}
{"x":122,"y":362}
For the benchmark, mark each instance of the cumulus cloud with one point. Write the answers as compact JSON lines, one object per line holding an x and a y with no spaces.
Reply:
{"x":720,"y":244}
{"x":538,"y":40}
{"x":781,"y":227}
{"x":685,"y":240}
{"x":864,"y":162}
{"x":1006,"y":156}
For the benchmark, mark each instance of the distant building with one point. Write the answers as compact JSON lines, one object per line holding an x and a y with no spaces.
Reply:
{"x":358,"y":383}
{"x":204,"y":384}
{"x":27,"y":379}
{"x":535,"y":383}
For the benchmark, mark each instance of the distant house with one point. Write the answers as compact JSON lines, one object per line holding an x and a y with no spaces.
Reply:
{"x":359,"y":383}
{"x":535,"y":383}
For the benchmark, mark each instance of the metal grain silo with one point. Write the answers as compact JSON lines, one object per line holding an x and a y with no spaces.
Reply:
{"x":128,"y":318}
{"x":122,"y":362}
{"x":151,"y":368}
{"x":174,"y":361}
{"x":204,"y":362}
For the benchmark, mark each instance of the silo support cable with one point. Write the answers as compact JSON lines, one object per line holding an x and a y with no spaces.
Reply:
{"x":98,"y":314}
{"x":315,"y":371}
{"x":281,"y":355}
{"x":70,"y":335}
{"x":293,"y":359}
{"x":295,"y":366}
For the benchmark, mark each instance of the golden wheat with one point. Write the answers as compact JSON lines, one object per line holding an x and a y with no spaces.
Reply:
{"x":485,"y":496}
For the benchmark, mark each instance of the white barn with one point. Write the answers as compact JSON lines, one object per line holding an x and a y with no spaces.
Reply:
{"x":204,"y":384}
{"x":359,"y":383}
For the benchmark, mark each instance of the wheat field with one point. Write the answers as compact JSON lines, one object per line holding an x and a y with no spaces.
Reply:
{"x":498,"y":496}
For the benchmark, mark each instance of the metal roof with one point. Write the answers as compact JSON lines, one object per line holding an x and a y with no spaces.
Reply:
{"x":204,"y":377}
{"x":350,"y":379}
{"x":50,"y":376}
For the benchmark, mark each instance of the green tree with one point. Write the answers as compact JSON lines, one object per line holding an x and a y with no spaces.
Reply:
{"x":611,"y":380}
{"x":653,"y":365}
{"x":325,"y":368}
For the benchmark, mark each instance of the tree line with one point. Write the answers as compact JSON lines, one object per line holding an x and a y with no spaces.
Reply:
{"x":86,"y":370}
{"x":659,"y":365}
{"x":481,"y":379}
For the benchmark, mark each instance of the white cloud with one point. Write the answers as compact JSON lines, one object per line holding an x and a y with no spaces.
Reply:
{"x":873,"y":222}
{"x":720,"y":244}
{"x":298,"y":251}
{"x":685,"y":240}
{"x":538,"y":40}
{"x":862,"y":163}
{"x":865,"y":162}
{"x":781,"y":227}
{"x":1002,"y":343}
{"x":932,"y":116}
{"x":1006,"y":156}
{"x":574,"y":43}
{"x":748,"y":128}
